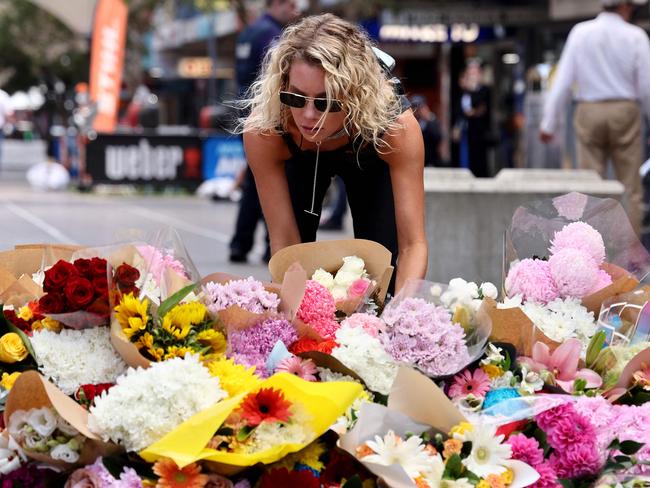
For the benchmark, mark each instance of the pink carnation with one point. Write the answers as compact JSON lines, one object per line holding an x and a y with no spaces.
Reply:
{"x":582,"y":236}
{"x":369,"y":323}
{"x":531,"y":278}
{"x":318,"y":309}
{"x":526,"y":449}
{"x":602,"y":281}
{"x":574,"y":272}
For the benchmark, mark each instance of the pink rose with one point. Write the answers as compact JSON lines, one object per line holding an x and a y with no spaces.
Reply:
{"x":84,"y":478}
{"x":358,"y":288}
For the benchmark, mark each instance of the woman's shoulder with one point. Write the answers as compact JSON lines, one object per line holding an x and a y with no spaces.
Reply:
{"x":405,"y":140}
{"x":271,"y":145}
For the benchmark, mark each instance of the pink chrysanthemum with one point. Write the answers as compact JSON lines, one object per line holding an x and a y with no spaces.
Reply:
{"x":531,"y":278}
{"x":526,"y":449}
{"x":318,"y":309}
{"x":576,"y":460}
{"x":582,"y":236}
{"x":574,"y":272}
{"x":157,"y":262}
{"x":547,"y":477}
{"x":369,"y":323}
{"x":603,"y":280}
{"x":303,"y":368}
{"x":465,"y":383}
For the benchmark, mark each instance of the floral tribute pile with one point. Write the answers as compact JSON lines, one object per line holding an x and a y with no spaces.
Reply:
{"x":127,"y":370}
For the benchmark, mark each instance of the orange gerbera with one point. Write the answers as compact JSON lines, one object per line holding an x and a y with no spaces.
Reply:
{"x":266,"y":405}
{"x":171,"y":476}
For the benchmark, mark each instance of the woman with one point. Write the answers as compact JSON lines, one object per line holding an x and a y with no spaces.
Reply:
{"x":322,"y":106}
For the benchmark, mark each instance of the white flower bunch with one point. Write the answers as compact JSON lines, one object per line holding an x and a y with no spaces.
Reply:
{"x":147,"y":404}
{"x":461,"y":293}
{"x":365,"y":355}
{"x":562,"y":319}
{"x":11,"y":454}
{"x":43,"y":430}
{"x":72,"y":358}
{"x":352,"y":270}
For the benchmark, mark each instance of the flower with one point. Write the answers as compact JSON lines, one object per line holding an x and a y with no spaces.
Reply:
{"x":29,"y":476}
{"x":353,"y":264}
{"x":369,"y":323}
{"x":317,"y":309}
{"x":451,"y":447}
{"x":576,"y":460}
{"x":359,"y":287}
{"x":488,"y":454}
{"x":303,"y":368}
{"x":11,"y":454}
{"x":547,"y":477}
{"x":580,"y":236}
{"x":157,"y":261}
{"x":58,"y":275}
{"x":84,"y":478}
{"x":308,"y":456}
{"x":171,"y":476}
{"x":233,"y":378}
{"x":562,"y":319}
{"x":391,"y":449}
{"x":466,"y":383}
{"x":146,"y":404}
{"x":603,"y":280}
{"x":72,"y":358}
{"x":530,"y":381}
{"x":531,"y":278}
{"x":8,"y":380}
{"x":275,"y":478}
{"x":324,"y":278}
{"x":12,"y":349}
{"x":574,"y":272}
{"x":180,"y":319}
{"x":213,"y":338}
{"x":265,"y":405}
{"x":79,"y":292}
{"x":488,"y":290}
{"x":492,"y":370}
{"x":131,"y":314}
{"x":641,"y":377}
{"x":493,"y":355}
{"x":305,"y":344}
{"x":526,"y":449}
{"x":248,"y":294}
{"x":563,"y":364}
{"x":51,"y":302}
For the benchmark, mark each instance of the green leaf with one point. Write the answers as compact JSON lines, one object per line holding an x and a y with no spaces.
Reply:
{"x":244,"y":433}
{"x":507,"y":362}
{"x":354,"y":482}
{"x":453,"y":468}
{"x":630,"y":447}
{"x":579,"y":385}
{"x":622,"y":459}
{"x":174,"y":300}
{"x":595,"y":346}
{"x":614,"y":445}
{"x":566,"y":483}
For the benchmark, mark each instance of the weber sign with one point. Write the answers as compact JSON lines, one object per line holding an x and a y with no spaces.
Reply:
{"x":153,"y":160}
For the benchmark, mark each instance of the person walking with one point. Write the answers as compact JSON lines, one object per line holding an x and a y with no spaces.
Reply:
{"x":6,"y":113}
{"x":251,"y":47}
{"x":607,"y":59}
{"x":431,"y":132}
{"x":324,"y":106}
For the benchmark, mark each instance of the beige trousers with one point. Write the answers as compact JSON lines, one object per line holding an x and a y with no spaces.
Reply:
{"x":612,"y":129}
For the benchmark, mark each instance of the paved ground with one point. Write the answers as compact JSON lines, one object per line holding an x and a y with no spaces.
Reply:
{"x":28,"y":216}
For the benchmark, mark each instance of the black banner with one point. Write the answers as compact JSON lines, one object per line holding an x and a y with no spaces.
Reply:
{"x":157,"y":160}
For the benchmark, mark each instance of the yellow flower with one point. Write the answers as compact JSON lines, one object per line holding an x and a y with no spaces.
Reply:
{"x":369,"y":483}
{"x":177,"y":352}
{"x":156,"y":353}
{"x":145,"y":341}
{"x":47,"y":323}
{"x":492,"y":371}
{"x":495,"y":481}
{"x":180,"y":319}
{"x":233,"y":378}
{"x":213,"y":338}
{"x":309,"y":456}
{"x":483,"y":484}
{"x":25,"y":313}
{"x":451,"y":447}
{"x":461,"y":428}
{"x":8,"y":380}
{"x":12,"y":348}
{"x":507,"y":476}
{"x":132,"y":315}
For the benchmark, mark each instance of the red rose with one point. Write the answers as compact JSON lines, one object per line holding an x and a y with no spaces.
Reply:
{"x":126,"y":275}
{"x":98,"y":267}
{"x":57,"y":276}
{"x":79,"y":292}
{"x":100,"y":284}
{"x":51,"y":303}
{"x":83,"y":266}
{"x":23,"y":325}
{"x":85,"y":394}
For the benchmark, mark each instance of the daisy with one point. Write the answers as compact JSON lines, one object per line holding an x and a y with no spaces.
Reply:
{"x":466,"y":383}
{"x":266,"y":405}
{"x":410,"y":454}
{"x":488,"y":455}
{"x":171,"y":476}
{"x":303,"y":368}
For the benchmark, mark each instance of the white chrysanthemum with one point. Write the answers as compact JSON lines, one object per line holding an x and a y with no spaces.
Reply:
{"x":562,"y":319}
{"x":392,"y":449}
{"x":488,"y":454}
{"x":365,"y":355}
{"x":146,"y":404}
{"x":72,"y":358}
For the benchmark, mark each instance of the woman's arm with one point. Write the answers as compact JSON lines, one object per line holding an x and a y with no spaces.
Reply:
{"x":266,"y":155}
{"x":406,"y":161}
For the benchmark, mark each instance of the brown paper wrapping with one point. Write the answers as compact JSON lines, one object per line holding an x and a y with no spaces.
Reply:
{"x":30,"y":391}
{"x":512,"y":325}
{"x":329,"y":256}
{"x":324,"y":360}
{"x":622,"y":282}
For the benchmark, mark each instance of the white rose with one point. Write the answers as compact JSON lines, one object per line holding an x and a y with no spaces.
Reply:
{"x":353,"y":264}
{"x":339,"y":292}
{"x":489,"y":290}
{"x":345,"y":278}
{"x":323,"y":277}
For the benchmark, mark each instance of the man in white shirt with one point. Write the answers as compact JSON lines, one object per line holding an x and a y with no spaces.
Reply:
{"x":6,"y":113}
{"x":606,"y":64}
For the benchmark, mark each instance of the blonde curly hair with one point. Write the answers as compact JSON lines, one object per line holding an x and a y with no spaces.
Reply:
{"x":352,"y":75}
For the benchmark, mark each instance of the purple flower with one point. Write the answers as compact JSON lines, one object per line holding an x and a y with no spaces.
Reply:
{"x":547,"y":477}
{"x":526,"y":449}
{"x":248,"y":294}
{"x":576,"y":461}
{"x":422,"y":334}
{"x":28,"y":476}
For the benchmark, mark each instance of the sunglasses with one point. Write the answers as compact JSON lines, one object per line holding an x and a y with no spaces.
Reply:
{"x":298,"y":101}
